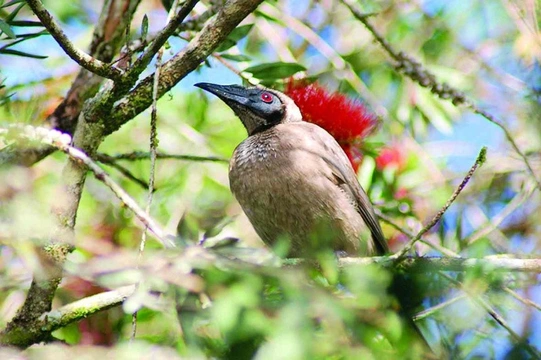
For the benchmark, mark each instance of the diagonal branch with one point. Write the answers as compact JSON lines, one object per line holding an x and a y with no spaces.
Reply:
{"x":495,"y":315}
{"x":161,"y":38}
{"x":80,"y":57}
{"x":478,"y":162}
{"x":415,"y":71}
{"x":386,"y":219}
{"x":203,"y":44}
{"x":109,"y":32}
{"x":62,"y":143}
{"x":59,"y":318}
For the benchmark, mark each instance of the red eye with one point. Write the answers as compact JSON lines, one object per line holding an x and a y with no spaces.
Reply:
{"x":266,"y":97}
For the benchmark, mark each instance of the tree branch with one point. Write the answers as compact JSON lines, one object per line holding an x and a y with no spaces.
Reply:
{"x":506,"y":263}
{"x":161,"y":38}
{"x":80,"y":57}
{"x":107,"y":38}
{"x":50,"y":321}
{"x":174,"y":70}
{"x":140,"y":155}
{"x":479,"y":161}
{"x":415,"y":71}
{"x":62,"y":143}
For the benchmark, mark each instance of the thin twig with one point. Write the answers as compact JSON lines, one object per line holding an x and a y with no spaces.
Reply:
{"x":411,"y":235}
{"x":140,"y":155}
{"x":127,"y":173}
{"x":500,"y":217}
{"x":80,"y":57}
{"x":161,"y":38}
{"x":432,"y":310}
{"x":479,"y":161}
{"x":435,"y":263}
{"x":233,"y":69}
{"x":153,"y":152}
{"x":195,"y":24}
{"x":497,"y":317}
{"x":61,"y":142}
{"x":521,"y":299}
{"x":415,"y":71}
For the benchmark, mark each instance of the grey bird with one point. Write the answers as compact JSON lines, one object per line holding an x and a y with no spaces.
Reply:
{"x":294,"y":181}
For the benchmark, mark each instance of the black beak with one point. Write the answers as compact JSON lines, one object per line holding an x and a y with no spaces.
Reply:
{"x":228,"y":93}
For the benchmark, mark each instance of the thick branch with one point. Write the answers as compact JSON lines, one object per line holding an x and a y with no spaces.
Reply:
{"x":80,"y":57}
{"x":59,"y":318}
{"x":109,"y":33}
{"x":214,"y":32}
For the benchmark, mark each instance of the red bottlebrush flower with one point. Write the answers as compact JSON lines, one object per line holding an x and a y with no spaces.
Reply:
{"x":391,"y":156}
{"x":347,"y":120}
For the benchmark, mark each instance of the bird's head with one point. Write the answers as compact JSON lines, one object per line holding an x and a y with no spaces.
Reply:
{"x":259,"y":109}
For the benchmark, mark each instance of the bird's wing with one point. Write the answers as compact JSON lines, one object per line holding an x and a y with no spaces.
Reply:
{"x":345,"y":178}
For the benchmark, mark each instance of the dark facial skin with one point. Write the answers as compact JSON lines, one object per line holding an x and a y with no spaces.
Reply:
{"x":261,"y":107}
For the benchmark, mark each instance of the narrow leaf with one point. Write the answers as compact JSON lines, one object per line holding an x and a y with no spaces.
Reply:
{"x":11,"y":3}
{"x":235,"y":57}
{"x":276,"y":70}
{"x":6,"y":29}
{"x":25,"y":23}
{"x":235,"y":36}
{"x":144,"y":27}
{"x":22,"y":53}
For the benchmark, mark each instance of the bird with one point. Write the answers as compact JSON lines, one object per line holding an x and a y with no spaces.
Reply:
{"x":294,"y":181}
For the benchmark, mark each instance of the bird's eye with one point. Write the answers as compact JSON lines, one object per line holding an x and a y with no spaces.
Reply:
{"x":266,"y":97}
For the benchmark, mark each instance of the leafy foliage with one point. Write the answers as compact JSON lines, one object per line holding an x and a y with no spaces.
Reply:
{"x":234,"y":300}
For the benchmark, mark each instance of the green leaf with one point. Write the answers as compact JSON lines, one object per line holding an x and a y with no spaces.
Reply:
{"x":32,"y":35}
{"x":226,"y":44}
{"x":188,"y":229}
{"x":6,"y":29}
{"x":25,"y":23}
{"x":235,"y":36}
{"x":236,"y":57}
{"x":144,"y":27}
{"x":14,"y":13}
{"x":218,"y":227}
{"x":22,"y":53}
{"x":275,"y":70}
{"x":11,"y":3}
{"x":240,"y":32}
{"x":267,"y":17}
